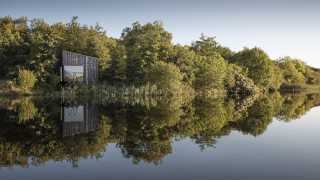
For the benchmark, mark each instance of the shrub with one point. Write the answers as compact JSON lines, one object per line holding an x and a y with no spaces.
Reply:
{"x":293,"y":71}
{"x":26,"y":79}
{"x":238,"y":84}
{"x":27,"y":110}
{"x":210,"y":75}
{"x":165,"y":76}
{"x":244,"y":86}
{"x":258,"y":64}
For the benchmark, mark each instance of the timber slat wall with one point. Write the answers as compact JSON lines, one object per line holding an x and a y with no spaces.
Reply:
{"x":90,"y":64}
{"x":90,"y":122}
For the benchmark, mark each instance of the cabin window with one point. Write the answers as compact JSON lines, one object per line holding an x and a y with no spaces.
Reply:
{"x":73,"y":73}
{"x":73,"y":114}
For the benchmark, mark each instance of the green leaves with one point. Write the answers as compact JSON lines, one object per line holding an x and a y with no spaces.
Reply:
{"x":258,"y":64}
{"x":210,"y":74}
{"x":26,"y":79}
{"x":13,"y":45}
{"x":205,"y":65}
{"x":165,"y":76}
{"x":145,"y":45}
{"x":293,"y":71}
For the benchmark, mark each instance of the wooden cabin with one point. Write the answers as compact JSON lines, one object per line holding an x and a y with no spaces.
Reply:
{"x":78,"y":67}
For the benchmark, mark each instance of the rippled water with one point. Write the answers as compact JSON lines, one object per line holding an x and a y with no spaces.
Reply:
{"x":273,"y":137}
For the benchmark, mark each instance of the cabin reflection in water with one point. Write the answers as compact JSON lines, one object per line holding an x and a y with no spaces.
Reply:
{"x":79,"y":119}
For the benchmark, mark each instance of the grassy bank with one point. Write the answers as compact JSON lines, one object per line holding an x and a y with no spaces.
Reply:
{"x":9,"y":89}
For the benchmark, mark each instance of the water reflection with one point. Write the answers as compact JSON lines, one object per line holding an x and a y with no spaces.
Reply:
{"x":36,"y":130}
{"x":79,"y":119}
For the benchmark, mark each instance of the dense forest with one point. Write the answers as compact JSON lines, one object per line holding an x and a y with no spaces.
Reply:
{"x":30,"y":53}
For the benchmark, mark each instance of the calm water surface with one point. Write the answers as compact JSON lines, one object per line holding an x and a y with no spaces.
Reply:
{"x":274,"y":137}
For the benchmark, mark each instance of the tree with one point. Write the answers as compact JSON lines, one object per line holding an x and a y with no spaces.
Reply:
{"x":166,"y":76}
{"x":312,"y":75}
{"x":204,"y":65}
{"x":14,"y":41}
{"x":91,"y":41}
{"x":185,"y":59}
{"x":210,"y":74}
{"x":117,"y":69}
{"x":258,"y":64}
{"x":145,"y":45}
{"x":293,"y":70}
{"x":277,"y":77}
{"x":42,"y":58}
{"x":208,"y":46}
{"x":46,"y":42}
{"x":238,"y":84}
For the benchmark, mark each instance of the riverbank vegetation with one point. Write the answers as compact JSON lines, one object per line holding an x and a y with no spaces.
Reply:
{"x":144,"y":54}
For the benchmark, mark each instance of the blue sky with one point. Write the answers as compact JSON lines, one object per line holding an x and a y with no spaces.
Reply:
{"x":280,"y":27}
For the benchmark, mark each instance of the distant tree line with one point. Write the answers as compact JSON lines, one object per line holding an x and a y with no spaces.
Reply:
{"x":143,"y":54}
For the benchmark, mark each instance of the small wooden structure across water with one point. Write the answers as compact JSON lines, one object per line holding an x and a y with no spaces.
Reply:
{"x":79,"y":67}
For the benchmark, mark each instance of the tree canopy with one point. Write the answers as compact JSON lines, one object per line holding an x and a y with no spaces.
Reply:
{"x":205,"y":65}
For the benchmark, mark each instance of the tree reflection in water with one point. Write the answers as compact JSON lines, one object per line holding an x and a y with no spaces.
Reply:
{"x":36,"y":130}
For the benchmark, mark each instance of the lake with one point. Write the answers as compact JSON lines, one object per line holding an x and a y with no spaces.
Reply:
{"x":274,"y":136}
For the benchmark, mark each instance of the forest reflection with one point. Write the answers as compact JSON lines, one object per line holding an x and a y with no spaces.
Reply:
{"x":35,"y":130}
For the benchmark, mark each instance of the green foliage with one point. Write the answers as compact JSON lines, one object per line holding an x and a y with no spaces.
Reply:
{"x":38,"y":46}
{"x":208,"y":46}
{"x":143,"y":66}
{"x":238,"y":84}
{"x":13,"y":45}
{"x":258,"y":64}
{"x":312,"y":75}
{"x":91,"y":41}
{"x":297,"y":75}
{"x":296,"y":105}
{"x":293,"y":70}
{"x":205,"y":65}
{"x":185,"y":60}
{"x":260,"y":115}
{"x":210,"y":74}
{"x":165,"y":76}
{"x":277,"y":78}
{"x":117,"y":70}
{"x":26,"y":79}
{"x":42,"y":59}
{"x":27,"y":110}
{"x":145,"y":45}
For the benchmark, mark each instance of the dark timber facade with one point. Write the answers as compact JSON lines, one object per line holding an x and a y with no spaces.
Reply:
{"x":81,"y":67}
{"x":79,"y":119}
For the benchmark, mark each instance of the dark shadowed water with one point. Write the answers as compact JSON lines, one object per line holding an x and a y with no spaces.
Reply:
{"x":273,"y":137}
